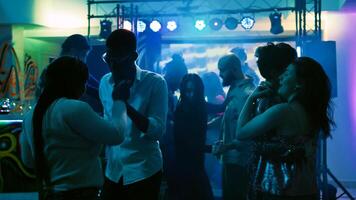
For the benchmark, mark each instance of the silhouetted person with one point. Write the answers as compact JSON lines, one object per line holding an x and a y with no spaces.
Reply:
{"x":246,"y":69}
{"x":190,"y":124}
{"x":214,"y":94}
{"x":134,"y":168}
{"x":77,"y":46}
{"x":173,"y":73}
{"x":62,"y":137}
{"x":213,"y":89}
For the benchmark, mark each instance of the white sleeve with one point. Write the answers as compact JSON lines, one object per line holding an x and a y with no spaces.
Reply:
{"x":84,"y":120}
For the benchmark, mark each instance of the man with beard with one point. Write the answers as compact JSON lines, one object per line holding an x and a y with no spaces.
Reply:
{"x":134,"y":168}
{"x":234,"y":154}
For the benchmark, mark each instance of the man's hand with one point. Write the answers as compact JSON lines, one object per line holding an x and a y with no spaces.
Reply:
{"x":122,"y":90}
{"x":217,"y":148}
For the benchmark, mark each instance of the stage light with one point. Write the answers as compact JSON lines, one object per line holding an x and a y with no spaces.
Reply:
{"x":171,"y":25}
{"x":141,"y":26}
{"x":215,"y":24}
{"x":299,"y":51}
{"x":276,"y":23}
{"x":231,"y":23}
{"x":155,"y":26}
{"x":127,"y":25}
{"x":200,"y":24}
{"x":247,"y":22}
{"x":105,"y":28}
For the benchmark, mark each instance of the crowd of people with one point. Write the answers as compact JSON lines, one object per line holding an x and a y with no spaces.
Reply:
{"x":266,"y":142}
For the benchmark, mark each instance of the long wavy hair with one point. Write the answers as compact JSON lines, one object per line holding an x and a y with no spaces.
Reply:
{"x":199,"y":97}
{"x":65,"y":77}
{"x":315,"y":93}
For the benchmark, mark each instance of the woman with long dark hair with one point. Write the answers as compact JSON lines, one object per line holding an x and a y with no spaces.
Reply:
{"x":190,"y":124}
{"x":286,"y":166}
{"x":62,"y":137}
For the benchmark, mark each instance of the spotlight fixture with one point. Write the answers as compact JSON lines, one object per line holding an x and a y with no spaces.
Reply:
{"x":276,"y":23}
{"x":200,"y":24}
{"x":247,"y":22}
{"x":105,"y":28}
{"x":171,"y":25}
{"x":215,"y":24}
{"x":231,"y":23}
{"x":141,"y":26}
{"x":127,"y":25}
{"x":155,"y":26}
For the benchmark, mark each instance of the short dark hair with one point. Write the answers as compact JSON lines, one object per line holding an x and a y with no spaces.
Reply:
{"x":274,"y":57}
{"x":122,"y":40}
{"x":75,"y":41}
{"x":230,"y":61}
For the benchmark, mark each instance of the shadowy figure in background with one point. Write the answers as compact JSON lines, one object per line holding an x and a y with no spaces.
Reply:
{"x":62,"y":136}
{"x":235,"y":154}
{"x":246,"y":69}
{"x":173,"y":73}
{"x":212,"y":88}
{"x":215,"y":95}
{"x":190,"y":124}
{"x":287,"y":157}
{"x":77,"y":46}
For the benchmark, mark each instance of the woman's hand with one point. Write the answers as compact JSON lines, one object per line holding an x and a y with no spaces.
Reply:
{"x":263,"y":90}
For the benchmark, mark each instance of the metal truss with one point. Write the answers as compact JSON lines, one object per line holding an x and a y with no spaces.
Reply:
{"x":308,"y":20}
{"x":306,"y":11}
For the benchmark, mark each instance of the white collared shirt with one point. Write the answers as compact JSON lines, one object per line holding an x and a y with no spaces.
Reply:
{"x":139,"y":156}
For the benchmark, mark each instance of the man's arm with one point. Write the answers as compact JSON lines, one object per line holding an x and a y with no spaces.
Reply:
{"x":157,"y":110}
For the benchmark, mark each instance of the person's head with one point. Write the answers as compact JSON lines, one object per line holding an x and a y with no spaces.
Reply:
{"x":240,"y":53}
{"x":274,"y":59}
{"x":174,"y":72}
{"x":191,"y":89}
{"x":305,"y":81}
{"x":230,"y":69}
{"x":66,"y":77}
{"x":76,"y":46}
{"x":121,"y":52}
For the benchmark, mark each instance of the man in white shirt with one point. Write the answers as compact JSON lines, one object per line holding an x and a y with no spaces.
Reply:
{"x":134,"y":168}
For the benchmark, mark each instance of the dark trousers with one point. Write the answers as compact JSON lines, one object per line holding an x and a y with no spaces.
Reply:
{"x":266,"y":196}
{"x":75,"y":194}
{"x":147,"y":189}
{"x":235,"y":182}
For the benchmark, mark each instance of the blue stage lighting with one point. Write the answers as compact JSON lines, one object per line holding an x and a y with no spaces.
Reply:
{"x":155,"y":26}
{"x":215,"y":24}
{"x":247,"y":22}
{"x":141,"y":26}
{"x":171,"y":25}
{"x":127,"y":25}
{"x":105,"y":28}
{"x":200,"y":24}
{"x":276,"y":23}
{"x":231,"y":23}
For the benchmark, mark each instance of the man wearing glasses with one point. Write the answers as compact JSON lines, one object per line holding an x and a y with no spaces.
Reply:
{"x":134,"y":168}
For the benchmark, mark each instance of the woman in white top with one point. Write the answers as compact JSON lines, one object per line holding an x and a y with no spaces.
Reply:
{"x":286,"y":167}
{"x":62,"y":137}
